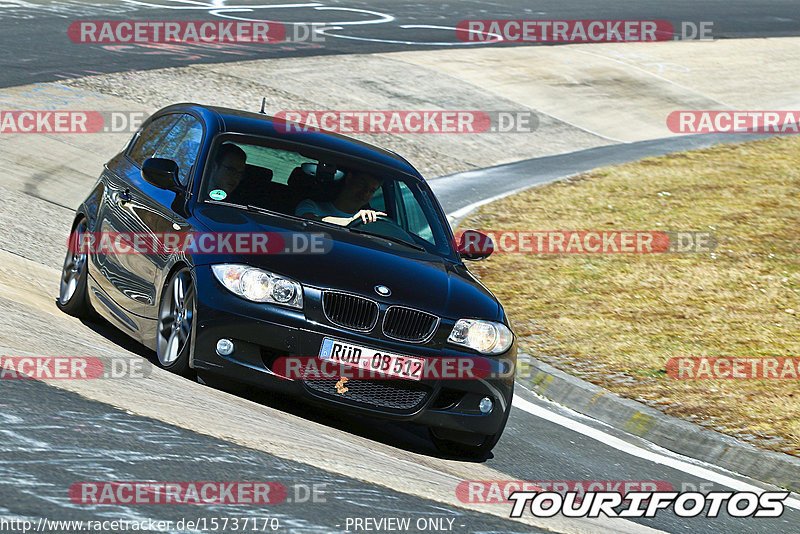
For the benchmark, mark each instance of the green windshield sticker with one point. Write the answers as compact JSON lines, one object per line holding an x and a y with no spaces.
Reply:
{"x":218,"y":194}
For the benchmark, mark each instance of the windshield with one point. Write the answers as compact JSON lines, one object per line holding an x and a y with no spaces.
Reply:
{"x":313,"y":185}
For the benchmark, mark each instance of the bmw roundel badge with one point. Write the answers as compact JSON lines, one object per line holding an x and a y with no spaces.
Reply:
{"x":383,"y":291}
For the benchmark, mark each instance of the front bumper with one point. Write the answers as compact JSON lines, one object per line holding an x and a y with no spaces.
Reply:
{"x":263,"y":333}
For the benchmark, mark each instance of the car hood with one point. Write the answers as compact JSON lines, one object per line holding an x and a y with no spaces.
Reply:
{"x":357,"y":264}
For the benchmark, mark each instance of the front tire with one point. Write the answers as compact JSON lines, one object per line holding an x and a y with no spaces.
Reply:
{"x":73,"y":298}
{"x":175,"y":319}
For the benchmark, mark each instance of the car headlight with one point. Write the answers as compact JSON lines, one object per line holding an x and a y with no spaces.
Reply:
{"x":484,"y":336}
{"x":259,"y":285}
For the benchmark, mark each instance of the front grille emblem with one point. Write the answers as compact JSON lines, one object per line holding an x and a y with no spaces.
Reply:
{"x":340,"y":389}
{"x":383,"y":291}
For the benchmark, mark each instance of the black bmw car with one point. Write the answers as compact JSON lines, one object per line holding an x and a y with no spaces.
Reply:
{"x":366,"y":274}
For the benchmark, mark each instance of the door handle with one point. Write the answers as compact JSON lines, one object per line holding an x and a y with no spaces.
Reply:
{"x":124,"y":196}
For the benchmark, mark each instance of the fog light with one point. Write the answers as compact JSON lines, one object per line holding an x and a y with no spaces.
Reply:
{"x":225,"y":348}
{"x":486,"y":405}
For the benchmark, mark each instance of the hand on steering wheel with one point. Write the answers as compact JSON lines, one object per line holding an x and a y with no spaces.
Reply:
{"x":365,"y":216}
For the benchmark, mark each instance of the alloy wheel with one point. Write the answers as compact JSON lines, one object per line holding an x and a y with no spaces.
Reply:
{"x":74,"y":265}
{"x":175,"y":318}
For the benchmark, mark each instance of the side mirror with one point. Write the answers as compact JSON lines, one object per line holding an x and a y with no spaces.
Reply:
{"x":161,"y":173}
{"x":474,"y":245}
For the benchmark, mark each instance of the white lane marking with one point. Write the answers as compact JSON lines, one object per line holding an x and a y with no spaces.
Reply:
{"x":35,"y":443}
{"x":382,"y":17}
{"x":191,"y":4}
{"x":220,"y":9}
{"x":7,"y":418}
{"x":462,"y":212}
{"x":633,"y":450}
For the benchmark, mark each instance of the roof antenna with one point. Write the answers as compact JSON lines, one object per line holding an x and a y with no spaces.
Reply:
{"x":263,"y":104}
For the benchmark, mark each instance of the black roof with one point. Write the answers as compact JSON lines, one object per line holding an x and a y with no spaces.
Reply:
{"x":250,"y":123}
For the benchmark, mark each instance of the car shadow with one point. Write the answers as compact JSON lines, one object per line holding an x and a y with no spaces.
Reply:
{"x":113,"y":334}
{"x":402,"y":435}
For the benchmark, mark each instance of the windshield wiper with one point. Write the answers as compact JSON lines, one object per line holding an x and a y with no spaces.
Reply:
{"x":392,"y":239}
{"x":259,"y":209}
{"x":265,"y":211}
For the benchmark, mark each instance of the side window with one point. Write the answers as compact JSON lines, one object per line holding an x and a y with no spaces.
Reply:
{"x":182,"y":145}
{"x":149,"y":138}
{"x":415,"y":217}
{"x":378,"y":200}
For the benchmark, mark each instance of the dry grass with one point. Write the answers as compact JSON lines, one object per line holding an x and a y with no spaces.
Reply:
{"x":616,"y":319}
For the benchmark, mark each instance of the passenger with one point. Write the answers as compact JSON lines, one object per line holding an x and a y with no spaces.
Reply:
{"x":346,"y":207}
{"x":227,"y":171}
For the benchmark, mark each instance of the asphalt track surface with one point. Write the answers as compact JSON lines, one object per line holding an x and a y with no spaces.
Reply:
{"x":34,"y":46}
{"x":52,"y":438}
{"x":461,"y":193}
{"x":60,"y":424}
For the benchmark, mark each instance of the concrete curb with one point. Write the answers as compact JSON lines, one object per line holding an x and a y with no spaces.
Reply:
{"x":656,"y":427}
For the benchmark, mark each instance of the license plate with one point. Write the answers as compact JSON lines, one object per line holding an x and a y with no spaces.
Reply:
{"x":371,"y":360}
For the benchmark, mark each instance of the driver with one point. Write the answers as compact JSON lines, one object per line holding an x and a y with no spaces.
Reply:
{"x":346,"y":207}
